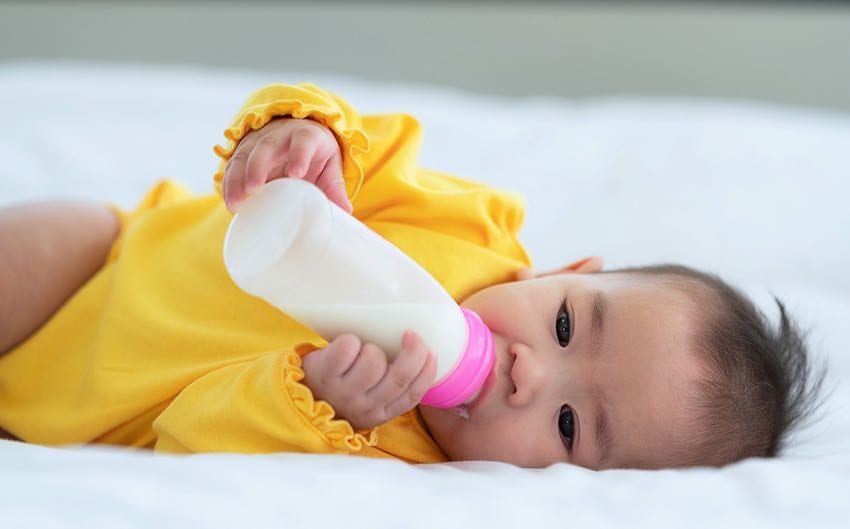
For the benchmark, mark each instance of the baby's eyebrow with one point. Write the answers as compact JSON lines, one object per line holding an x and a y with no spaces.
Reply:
{"x":598,"y":310}
{"x":603,"y":437}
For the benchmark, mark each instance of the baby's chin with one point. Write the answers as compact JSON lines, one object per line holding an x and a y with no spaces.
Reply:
{"x":441,"y":423}
{"x":436,"y":418}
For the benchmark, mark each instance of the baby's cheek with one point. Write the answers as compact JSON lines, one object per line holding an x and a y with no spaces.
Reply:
{"x":492,"y":313}
{"x":513,"y":317}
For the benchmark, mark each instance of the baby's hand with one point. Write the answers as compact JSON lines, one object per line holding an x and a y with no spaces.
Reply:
{"x":362,"y":387}
{"x":286,"y":147}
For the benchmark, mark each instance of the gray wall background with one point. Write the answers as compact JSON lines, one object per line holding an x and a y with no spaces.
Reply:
{"x":795,"y":53}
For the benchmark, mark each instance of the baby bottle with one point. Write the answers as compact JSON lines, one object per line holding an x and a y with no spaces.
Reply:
{"x":294,"y":248}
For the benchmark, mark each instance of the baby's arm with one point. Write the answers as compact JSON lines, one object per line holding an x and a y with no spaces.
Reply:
{"x":47,"y":251}
{"x":326,"y":402}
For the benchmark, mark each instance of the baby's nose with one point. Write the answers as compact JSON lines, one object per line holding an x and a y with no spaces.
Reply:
{"x":528,"y":374}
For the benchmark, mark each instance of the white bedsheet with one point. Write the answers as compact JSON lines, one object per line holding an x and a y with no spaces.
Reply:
{"x":756,"y":193}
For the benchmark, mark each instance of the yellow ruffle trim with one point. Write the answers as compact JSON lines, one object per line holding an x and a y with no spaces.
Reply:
{"x":352,"y":140}
{"x":338,"y":432}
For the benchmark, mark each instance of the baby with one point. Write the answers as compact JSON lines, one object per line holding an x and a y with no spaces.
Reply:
{"x":124,"y":328}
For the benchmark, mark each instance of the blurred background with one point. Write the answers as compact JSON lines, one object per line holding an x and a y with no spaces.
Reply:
{"x":786,"y":52}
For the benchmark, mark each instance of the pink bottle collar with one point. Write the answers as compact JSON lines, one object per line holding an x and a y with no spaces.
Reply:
{"x":466,"y":379}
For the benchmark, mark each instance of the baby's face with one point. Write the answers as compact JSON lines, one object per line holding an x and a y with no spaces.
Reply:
{"x":591,"y":369}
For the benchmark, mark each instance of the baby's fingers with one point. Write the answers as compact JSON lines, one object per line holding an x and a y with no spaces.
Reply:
{"x":302,"y":150}
{"x":332,"y":184}
{"x":245,"y":165}
{"x":324,"y":367}
{"x":407,"y":378}
{"x":233,"y":186}
{"x":365,"y":372}
{"x":265,"y":162}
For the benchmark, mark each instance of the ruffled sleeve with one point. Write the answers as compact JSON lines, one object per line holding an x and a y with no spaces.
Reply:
{"x":259,"y":406}
{"x":301,"y":101}
{"x":339,"y":433}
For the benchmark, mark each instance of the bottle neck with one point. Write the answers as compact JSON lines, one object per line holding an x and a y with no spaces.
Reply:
{"x":465,"y":380}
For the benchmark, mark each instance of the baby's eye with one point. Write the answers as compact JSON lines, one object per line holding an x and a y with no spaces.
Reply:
{"x":566,"y":425}
{"x":562,"y":326}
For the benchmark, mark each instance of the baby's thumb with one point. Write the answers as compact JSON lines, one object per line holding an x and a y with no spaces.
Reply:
{"x":344,"y":203}
{"x":337,"y":194}
{"x":332,"y":184}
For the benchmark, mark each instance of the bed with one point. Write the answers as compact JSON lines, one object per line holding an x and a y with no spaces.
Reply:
{"x":756,"y":193}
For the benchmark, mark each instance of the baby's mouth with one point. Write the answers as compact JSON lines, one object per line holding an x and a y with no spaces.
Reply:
{"x":499,"y":377}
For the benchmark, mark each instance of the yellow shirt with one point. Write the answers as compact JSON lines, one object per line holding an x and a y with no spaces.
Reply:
{"x":160,"y":349}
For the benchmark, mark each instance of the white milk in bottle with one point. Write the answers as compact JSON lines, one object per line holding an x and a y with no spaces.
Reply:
{"x":291,"y":246}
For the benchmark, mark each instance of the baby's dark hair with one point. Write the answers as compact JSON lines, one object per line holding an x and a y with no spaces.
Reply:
{"x":760,"y":384}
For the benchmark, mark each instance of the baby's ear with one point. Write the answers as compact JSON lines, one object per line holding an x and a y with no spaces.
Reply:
{"x":588,"y":265}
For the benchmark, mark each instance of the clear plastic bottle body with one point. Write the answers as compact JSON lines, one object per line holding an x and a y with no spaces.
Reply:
{"x":292,"y":247}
